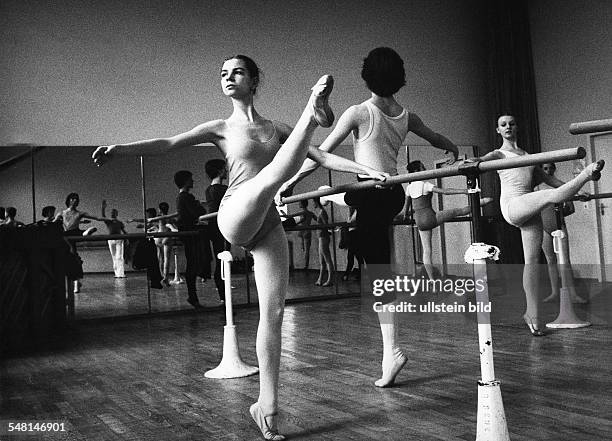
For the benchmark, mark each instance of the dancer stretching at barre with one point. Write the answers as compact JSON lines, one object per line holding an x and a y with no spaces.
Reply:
{"x":379,"y":127}
{"x":261,"y":154}
{"x":418,"y":197}
{"x":521,"y":206}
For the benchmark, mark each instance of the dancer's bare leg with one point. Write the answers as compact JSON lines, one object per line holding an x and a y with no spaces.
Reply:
{"x":393,"y":358}
{"x":531,"y":235}
{"x":426,"y":245}
{"x":524,"y":207}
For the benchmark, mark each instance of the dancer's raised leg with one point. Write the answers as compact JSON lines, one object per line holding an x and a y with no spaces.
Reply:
{"x":524,"y":207}
{"x":241,"y":216}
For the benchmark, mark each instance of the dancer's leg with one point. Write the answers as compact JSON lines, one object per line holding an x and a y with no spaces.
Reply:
{"x":531,"y":235}
{"x":321,"y":261}
{"x":522,"y":208}
{"x":329,"y":262}
{"x":308,"y":244}
{"x":271,"y":263}
{"x":241,"y":216}
{"x":426,"y":244}
{"x":393,"y":357}
{"x":551,"y":261}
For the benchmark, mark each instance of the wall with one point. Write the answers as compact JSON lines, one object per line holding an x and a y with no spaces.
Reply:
{"x":572,"y":53}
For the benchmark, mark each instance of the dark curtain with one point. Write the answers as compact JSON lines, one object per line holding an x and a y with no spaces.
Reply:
{"x":511,"y":85}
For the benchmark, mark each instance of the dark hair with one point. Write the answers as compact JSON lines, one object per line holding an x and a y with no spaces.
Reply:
{"x":151,"y":212}
{"x":383,"y":71}
{"x":71,"y":196}
{"x":48,"y":211}
{"x":181,"y":177}
{"x":506,"y":113}
{"x":554,"y":166}
{"x":251,"y":68}
{"x":414,"y":166}
{"x":11,"y":211}
{"x":214,"y":167}
{"x":164,"y":207}
{"x":304,"y":203}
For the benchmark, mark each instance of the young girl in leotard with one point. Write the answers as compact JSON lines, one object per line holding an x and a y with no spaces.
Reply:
{"x":521,"y":207}
{"x":261,"y":155}
{"x":418,"y":195}
{"x":379,"y":126}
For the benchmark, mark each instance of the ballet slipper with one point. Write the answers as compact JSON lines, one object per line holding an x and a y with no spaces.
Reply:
{"x":550,"y":298}
{"x":533,"y":326}
{"x":318,"y":283}
{"x":485,"y":201}
{"x":594,"y":170}
{"x":391,"y":369}
{"x":269,"y":431}
{"x":321,"y":111}
{"x":328,"y":283}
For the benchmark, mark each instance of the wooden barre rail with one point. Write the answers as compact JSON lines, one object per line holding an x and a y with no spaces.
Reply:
{"x":600,"y":125}
{"x":453,"y":170}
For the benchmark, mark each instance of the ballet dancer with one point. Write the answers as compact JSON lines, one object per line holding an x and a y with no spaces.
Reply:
{"x":418,"y":198}
{"x":115,"y":246}
{"x":71,"y":220}
{"x":261,"y":155}
{"x":379,"y":126}
{"x":326,"y":262}
{"x":521,"y":206}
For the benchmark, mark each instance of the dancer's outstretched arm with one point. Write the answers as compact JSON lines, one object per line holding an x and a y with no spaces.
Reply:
{"x":207,"y":132}
{"x":416,"y":125}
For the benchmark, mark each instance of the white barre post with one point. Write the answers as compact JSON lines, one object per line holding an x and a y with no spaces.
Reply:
{"x":490,"y":419}
{"x":566,"y":319}
{"x":231,"y":365}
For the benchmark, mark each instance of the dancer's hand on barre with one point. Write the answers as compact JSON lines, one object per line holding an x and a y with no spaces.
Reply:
{"x":452,"y":159}
{"x":583,"y":196}
{"x":102,"y":154}
{"x":375,"y":174}
{"x":283,"y":192}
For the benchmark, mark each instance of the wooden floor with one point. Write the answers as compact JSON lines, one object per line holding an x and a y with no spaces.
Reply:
{"x":143,"y":379}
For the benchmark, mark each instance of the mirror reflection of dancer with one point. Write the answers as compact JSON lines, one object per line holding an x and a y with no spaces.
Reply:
{"x":379,"y":126}
{"x":521,"y":206}
{"x":352,"y":251}
{"x":115,"y":246}
{"x":261,"y":155}
{"x":326,"y":262}
{"x":216,"y":169}
{"x":71,"y":220}
{"x":549,"y":224}
{"x":304,"y":219}
{"x":418,"y":196}
{"x":164,"y":244}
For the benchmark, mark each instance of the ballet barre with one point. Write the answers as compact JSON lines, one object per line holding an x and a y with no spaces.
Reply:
{"x":591,"y":197}
{"x":452,"y":170}
{"x":600,"y":125}
{"x":103,"y":237}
